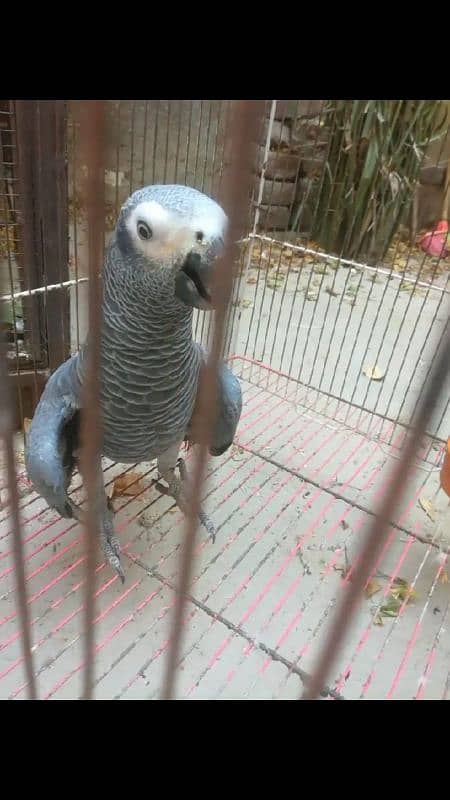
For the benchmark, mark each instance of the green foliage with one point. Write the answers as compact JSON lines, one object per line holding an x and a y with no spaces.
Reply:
{"x":373,"y":163}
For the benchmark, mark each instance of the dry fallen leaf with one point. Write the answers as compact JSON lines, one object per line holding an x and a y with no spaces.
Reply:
{"x":274,"y":282}
{"x":246,"y":303}
{"x":372,"y":588}
{"x":331,"y":291}
{"x":402,"y":590}
{"x":407,"y":286}
{"x":443,"y":578}
{"x":26,"y":425}
{"x":374,"y":373}
{"x":311,"y":295}
{"x":391,"y":608}
{"x":129,"y":484}
{"x":428,"y":507}
{"x":320,"y":269}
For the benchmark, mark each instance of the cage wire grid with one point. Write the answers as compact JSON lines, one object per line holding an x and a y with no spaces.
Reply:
{"x":301,"y":482}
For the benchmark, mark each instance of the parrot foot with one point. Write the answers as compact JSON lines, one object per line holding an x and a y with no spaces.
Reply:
{"x":109,"y":541}
{"x":177,"y":490}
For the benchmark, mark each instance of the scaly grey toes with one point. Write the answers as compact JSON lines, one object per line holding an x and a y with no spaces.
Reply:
{"x":111,"y":550}
{"x":204,"y":519}
{"x":76,"y":511}
{"x":110,"y":542}
{"x":209,"y":525}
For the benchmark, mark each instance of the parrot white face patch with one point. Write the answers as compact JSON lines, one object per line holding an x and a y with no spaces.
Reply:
{"x":155,"y":232}
{"x":161,"y":235}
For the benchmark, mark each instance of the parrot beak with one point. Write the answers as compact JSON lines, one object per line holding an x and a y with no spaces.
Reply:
{"x":193,"y":281}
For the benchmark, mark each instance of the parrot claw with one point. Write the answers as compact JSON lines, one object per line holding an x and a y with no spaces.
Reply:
{"x":111,"y":551}
{"x":177,"y":491}
{"x":109,"y":541}
{"x":203,"y":518}
{"x":209,"y":525}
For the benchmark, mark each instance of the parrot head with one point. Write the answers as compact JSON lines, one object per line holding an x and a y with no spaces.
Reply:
{"x":174,"y":233}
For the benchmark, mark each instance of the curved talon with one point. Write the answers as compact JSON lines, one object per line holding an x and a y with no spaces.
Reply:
{"x":114,"y":561}
{"x":119,"y":570}
{"x":76,"y":511}
{"x":109,"y":541}
{"x":111,"y":550}
{"x":177,"y":490}
{"x":206,"y":522}
{"x":204,"y":519}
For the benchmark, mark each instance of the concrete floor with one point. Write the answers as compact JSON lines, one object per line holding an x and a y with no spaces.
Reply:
{"x":263,"y":595}
{"x":323,"y":325}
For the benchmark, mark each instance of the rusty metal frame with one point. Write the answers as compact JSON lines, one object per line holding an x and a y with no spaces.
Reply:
{"x":92,"y":125}
{"x":42,"y":175}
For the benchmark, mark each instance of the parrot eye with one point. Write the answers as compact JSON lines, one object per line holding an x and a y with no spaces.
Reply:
{"x":199,"y":236}
{"x":144,"y":231}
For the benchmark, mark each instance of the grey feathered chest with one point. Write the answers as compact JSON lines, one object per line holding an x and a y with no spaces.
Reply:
{"x":149,"y":363}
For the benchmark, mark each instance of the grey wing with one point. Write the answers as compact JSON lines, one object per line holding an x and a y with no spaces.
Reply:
{"x":53,"y":437}
{"x":229,"y":399}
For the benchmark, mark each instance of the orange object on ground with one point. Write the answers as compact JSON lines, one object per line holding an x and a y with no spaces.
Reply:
{"x":445,"y":471}
{"x":434,"y":243}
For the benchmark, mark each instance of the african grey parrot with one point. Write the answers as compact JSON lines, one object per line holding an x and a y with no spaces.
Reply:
{"x":158,"y":267}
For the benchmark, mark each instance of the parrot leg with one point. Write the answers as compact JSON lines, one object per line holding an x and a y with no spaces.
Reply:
{"x":109,"y":541}
{"x":179,"y":487}
{"x":204,"y":519}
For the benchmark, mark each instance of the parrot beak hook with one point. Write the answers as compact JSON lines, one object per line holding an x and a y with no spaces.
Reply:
{"x":192,"y":282}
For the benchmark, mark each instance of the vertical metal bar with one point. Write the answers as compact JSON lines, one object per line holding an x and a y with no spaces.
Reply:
{"x":92,"y":128}
{"x":14,"y":318}
{"x":166,"y":157}
{"x":262,"y":180}
{"x":53,"y":236}
{"x":74,"y":167}
{"x":188,"y":141}
{"x":30,"y":258}
{"x":379,"y":527}
{"x":118,"y":140}
{"x":6,"y":432}
{"x":132,"y":137}
{"x":144,"y":144}
{"x":245,"y":117}
{"x":233,"y":324}
{"x":155,"y":141}
{"x":177,"y":153}
{"x":197,"y":146}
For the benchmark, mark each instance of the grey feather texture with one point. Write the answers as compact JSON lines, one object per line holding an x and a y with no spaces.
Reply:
{"x":158,"y":267}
